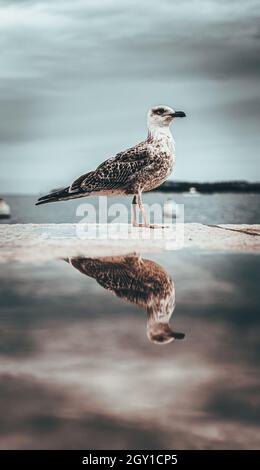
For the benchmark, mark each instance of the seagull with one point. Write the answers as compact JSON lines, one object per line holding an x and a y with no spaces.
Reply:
{"x":131,"y":172}
{"x":138,"y":281}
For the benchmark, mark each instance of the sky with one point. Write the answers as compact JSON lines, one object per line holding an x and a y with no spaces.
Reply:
{"x":77,"y":79}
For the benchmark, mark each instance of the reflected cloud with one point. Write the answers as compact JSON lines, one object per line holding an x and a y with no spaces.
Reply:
{"x":45,"y":416}
{"x":139,"y":281}
{"x":76,"y":369}
{"x":240,"y":404}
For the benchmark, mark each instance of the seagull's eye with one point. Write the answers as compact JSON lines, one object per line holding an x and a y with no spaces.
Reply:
{"x":159,"y":111}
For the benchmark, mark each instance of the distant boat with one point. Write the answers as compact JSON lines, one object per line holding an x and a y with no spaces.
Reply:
{"x":170,"y":209}
{"x":5,"y":212}
{"x":192,"y":192}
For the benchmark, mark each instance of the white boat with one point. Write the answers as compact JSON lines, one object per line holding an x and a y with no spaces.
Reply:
{"x":4,"y":209}
{"x":192,"y":192}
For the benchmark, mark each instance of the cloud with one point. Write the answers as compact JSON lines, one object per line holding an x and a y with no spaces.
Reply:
{"x":68,"y":69}
{"x":71,"y":41}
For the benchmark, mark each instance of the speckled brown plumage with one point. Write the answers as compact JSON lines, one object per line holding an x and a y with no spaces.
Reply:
{"x":139,"y":281}
{"x":143,"y":167}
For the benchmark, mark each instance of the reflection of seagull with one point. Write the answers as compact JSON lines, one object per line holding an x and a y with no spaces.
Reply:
{"x":140,"y":168}
{"x":139,"y":281}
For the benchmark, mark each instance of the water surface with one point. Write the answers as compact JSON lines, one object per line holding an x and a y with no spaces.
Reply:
{"x":78,"y":369}
{"x":228,"y":208}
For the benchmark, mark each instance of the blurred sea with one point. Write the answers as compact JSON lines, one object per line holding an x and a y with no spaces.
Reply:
{"x":215,"y":208}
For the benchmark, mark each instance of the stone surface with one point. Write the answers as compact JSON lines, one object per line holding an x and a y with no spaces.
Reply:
{"x":36,"y":242}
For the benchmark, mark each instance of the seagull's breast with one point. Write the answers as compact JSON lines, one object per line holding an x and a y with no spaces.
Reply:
{"x":164,"y":145}
{"x":168,"y":144}
{"x":163,"y":149}
{"x":163,"y":160}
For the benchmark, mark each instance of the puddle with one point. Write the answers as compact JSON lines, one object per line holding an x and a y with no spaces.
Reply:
{"x":93,"y":353}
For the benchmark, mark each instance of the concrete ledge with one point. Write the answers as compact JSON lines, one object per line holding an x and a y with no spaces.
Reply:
{"x":32,"y":242}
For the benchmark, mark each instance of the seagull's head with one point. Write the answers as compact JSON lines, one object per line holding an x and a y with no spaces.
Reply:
{"x":161,"y":333}
{"x":162,"y":116}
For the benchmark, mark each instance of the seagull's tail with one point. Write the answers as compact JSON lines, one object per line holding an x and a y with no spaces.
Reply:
{"x":57,"y":195}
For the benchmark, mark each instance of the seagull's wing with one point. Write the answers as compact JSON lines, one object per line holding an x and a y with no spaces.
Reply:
{"x":127,"y":277}
{"x":115,"y":172}
{"x":114,"y":274}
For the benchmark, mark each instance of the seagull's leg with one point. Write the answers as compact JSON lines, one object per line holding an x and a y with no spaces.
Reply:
{"x":134,"y":204}
{"x":141,"y":207}
{"x":136,"y":200}
{"x":146,"y":224}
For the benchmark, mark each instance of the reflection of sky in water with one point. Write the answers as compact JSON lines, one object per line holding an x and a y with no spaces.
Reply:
{"x":78,"y":371}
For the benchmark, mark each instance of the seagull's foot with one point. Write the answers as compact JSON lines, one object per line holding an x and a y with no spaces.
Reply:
{"x":151,"y":226}
{"x":154,"y":226}
{"x":135,"y":224}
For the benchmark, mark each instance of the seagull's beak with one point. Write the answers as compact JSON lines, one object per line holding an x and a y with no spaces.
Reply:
{"x":177,"y":335}
{"x":178,"y":114}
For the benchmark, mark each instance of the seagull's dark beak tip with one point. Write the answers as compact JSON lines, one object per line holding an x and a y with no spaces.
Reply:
{"x":179,"y":114}
{"x":177,"y":335}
